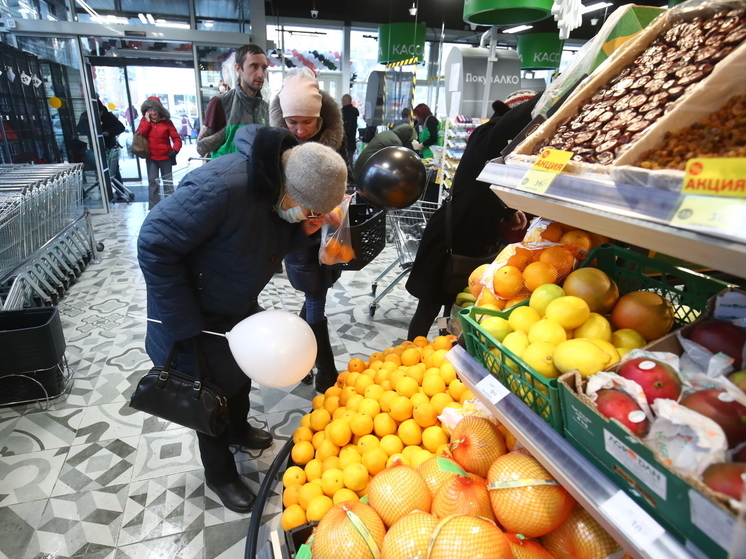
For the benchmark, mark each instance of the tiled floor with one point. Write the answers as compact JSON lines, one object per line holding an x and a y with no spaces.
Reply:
{"x":88,"y":477}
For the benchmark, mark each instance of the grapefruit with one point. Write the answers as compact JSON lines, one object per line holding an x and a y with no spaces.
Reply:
{"x":409,"y":537}
{"x":396,"y":491}
{"x":475,"y":280}
{"x":522,"y":505}
{"x":468,"y":537}
{"x":435,"y":471}
{"x":463,"y":495}
{"x":349,"y":529}
{"x":594,"y":287}
{"x":527,"y":549}
{"x":475,"y":443}
{"x":644,"y":311}
{"x":579,"y":537}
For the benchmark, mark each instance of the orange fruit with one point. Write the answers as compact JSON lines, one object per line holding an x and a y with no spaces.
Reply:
{"x":318,"y":506}
{"x":559,"y":258}
{"x":353,"y":402}
{"x":318,"y":402}
{"x":433,"y":384}
{"x":442,"y":342}
{"x":362,"y":382}
{"x":340,"y":432}
{"x":384,"y":424}
{"x":319,"y":419}
{"x":308,"y":492}
{"x":356,"y":365}
{"x":326,"y":449}
{"x":292,"y":517}
{"x":355,"y":476}
{"x":410,"y":433}
{"x":553,"y":232}
{"x":410,"y":356}
{"x":290,"y":494}
{"x":331,"y":404}
{"x":519,"y":260}
{"x":425,"y":415}
{"x":330,"y":463}
{"x":345,"y":494}
{"x":352,"y":377}
{"x":302,"y":434}
{"x":302,"y":453}
{"x":361,"y":424}
{"x":367,"y":442}
{"x":433,"y":438}
{"x":313,"y":469}
{"x":420,"y":341}
{"x":346,"y":253}
{"x":508,"y":282}
{"x":332,"y":246}
{"x":375,"y":460}
{"x":293,"y":474}
{"x":373,"y":392}
{"x":537,"y":274}
{"x":327,"y":258}
{"x":386,"y":400}
{"x":391,"y":444}
{"x":401,"y":408}
{"x":439,"y":401}
{"x":347,"y":391}
{"x":515,"y":300}
{"x":578,"y":238}
{"x":407,"y":386}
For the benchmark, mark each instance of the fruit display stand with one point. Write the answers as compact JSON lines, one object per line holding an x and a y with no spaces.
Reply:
{"x":635,"y":530}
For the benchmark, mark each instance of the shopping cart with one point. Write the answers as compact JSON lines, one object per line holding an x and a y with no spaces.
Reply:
{"x":121,"y":192}
{"x":406,"y":227}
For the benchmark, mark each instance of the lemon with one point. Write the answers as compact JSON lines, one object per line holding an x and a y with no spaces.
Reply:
{"x":539,"y":356}
{"x":609,"y":348}
{"x":569,"y":311}
{"x":582,"y":355}
{"x":543,"y":295}
{"x":516,"y":342}
{"x":595,"y":328}
{"x":496,"y":327}
{"x":522,"y":318}
{"x":548,"y":331}
{"x":626,"y":337}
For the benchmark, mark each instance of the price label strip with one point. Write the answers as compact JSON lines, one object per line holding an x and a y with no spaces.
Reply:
{"x":637,"y":525}
{"x":549,"y":164}
{"x":492,"y":389}
{"x":713,"y":196}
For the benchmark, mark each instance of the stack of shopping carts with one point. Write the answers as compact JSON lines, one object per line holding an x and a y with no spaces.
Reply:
{"x":405,"y":228}
{"x":46,"y":238}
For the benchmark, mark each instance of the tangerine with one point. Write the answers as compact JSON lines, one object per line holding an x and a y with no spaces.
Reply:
{"x":292,"y":517}
{"x":302,"y":453}
{"x":346,"y":253}
{"x":537,"y":274}
{"x":317,"y":507}
{"x":553,"y":232}
{"x":559,"y":258}
{"x":356,"y":365}
{"x":290,"y":494}
{"x":332,"y":246}
{"x":578,"y":238}
{"x":508,"y":282}
{"x":327,"y":258}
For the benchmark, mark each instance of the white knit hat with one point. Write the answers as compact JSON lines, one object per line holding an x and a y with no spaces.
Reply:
{"x":518,"y":97}
{"x":315,"y":176}
{"x":300,"y":96}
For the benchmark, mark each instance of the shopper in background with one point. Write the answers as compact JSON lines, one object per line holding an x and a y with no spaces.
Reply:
{"x":312,"y":116}
{"x":208,"y":250}
{"x":402,"y":135}
{"x":406,"y":117}
{"x":110,"y":127}
{"x":477,"y":215}
{"x":164,"y":143}
{"x":427,"y":126}
{"x":186,"y":129}
{"x":350,"y":115}
{"x":237,"y":107}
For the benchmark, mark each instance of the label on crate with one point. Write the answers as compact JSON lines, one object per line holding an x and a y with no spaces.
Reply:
{"x":711,"y":212}
{"x":490,"y":387}
{"x":718,"y":176}
{"x":711,"y":519}
{"x":549,"y":164}
{"x":642,"y":469}
{"x":637,"y":525}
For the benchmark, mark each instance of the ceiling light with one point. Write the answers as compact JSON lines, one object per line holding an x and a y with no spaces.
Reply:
{"x":413,"y":10}
{"x":151,"y":21}
{"x":143,"y":19}
{"x":596,"y":6}
{"x":518,"y":29}
{"x":164,"y":23}
{"x":208,"y":23}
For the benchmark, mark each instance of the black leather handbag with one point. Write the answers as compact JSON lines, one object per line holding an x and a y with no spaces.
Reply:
{"x":190,"y":401}
{"x":458,"y":267}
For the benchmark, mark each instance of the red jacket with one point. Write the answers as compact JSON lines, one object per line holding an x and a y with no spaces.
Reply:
{"x":160,"y":135}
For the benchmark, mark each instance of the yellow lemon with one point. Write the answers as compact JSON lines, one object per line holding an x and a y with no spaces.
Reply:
{"x":355,"y":476}
{"x":409,"y":432}
{"x":425,"y":415}
{"x":609,"y":348}
{"x":543,"y":295}
{"x":361,"y":424}
{"x":384,"y":424}
{"x":367,"y":442}
{"x":569,"y":311}
{"x":369,"y":406}
{"x":582,"y":355}
{"x":293,"y":474}
{"x":292,"y":517}
{"x":326,"y":449}
{"x":391,"y":444}
{"x":539,"y":356}
{"x":401,"y":408}
{"x":447,"y":373}
{"x":596,"y":328}
{"x":548,"y":331}
{"x":313,"y":469}
{"x":318,"y":507}
{"x":433,"y":437}
{"x":374,"y":392}
{"x":308,"y":492}
{"x":331,"y":481}
{"x":496,"y":327}
{"x":626,"y":337}
{"x":433,"y":384}
{"x":302,"y":434}
{"x":374,"y":460}
{"x":302,"y":453}
{"x":290,"y":494}
{"x":319,"y":419}
{"x":522,"y":318}
{"x":345,"y":494}
{"x":340,"y":432}
{"x":439,"y":401}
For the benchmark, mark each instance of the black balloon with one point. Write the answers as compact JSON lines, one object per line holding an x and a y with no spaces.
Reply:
{"x":393,"y":178}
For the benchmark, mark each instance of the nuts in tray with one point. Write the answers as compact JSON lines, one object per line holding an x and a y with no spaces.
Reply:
{"x":650,"y":86}
{"x":721,"y":134}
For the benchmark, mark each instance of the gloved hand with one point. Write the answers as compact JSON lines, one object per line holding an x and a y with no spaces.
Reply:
{"x":416,"y":146}
{"x":172,"y":156}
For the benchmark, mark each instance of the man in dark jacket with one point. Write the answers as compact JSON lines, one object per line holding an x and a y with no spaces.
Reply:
{"x":350,"y":115}
{"x":208,"y":250}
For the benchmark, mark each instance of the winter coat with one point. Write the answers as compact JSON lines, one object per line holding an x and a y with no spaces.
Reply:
{"x":208,"y":250}
{"x":304,"y":271}
{"x":350,"y":115}
{"x":161,"y":135}
{"x":402,"y":135}
{"x":232,"y":110}
{"x":477,"y":213}
{"x":113,"y":127}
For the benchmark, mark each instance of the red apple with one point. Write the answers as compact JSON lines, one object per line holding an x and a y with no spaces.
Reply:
{"x":739,"y":379}
{"x":725,"y":478}
{"x":721,"y":336}
{"x":657,"y":379}
{"x":719,"y":406}
{"x":615,"y":404}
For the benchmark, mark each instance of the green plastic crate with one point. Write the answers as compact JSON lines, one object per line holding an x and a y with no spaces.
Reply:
{"x":687,"y":291}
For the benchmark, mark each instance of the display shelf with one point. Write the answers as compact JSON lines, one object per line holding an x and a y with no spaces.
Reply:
{"x":626,"y":522}
{"x":633,"y":214}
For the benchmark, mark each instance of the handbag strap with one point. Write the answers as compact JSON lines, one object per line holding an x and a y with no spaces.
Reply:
{"x":200,"y":365}
{"x":449,"y":226}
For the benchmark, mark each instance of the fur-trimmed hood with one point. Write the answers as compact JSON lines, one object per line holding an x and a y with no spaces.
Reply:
{"x":155,"y":103}
{"x":332,"y":132}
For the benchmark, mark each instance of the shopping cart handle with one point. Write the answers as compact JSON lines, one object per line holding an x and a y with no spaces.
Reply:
{"x":198,"y":159}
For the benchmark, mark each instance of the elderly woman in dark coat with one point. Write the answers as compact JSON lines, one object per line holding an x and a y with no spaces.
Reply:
{"x":477,"y":217}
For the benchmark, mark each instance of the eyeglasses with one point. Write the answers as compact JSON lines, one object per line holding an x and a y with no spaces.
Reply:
{"x":312,"y":215}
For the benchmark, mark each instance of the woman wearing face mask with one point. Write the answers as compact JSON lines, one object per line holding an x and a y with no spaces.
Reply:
{"x":312,"y":116}
{"x":164,"y":143}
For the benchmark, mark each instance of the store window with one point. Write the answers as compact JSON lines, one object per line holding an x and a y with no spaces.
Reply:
{"x":53,"y":10}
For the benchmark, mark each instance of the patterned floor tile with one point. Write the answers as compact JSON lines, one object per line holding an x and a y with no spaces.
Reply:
{"x":227,"y":540}
{"x":18,"y":524}
{"x":31,"y":476}
{"x":169,"y":452}
{"x":96,"y":465}
{"x":42,"y":430}
{"x":184,"y":545}
{"x":107,"y":422}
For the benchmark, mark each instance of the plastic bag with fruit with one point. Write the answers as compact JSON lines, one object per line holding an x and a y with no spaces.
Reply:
{"x":336,"y":241}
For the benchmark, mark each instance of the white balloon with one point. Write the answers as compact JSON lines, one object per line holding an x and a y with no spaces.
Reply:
{"x":273,"y":348}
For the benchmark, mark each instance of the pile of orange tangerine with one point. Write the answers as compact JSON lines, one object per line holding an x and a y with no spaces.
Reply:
{"x":334,"y":252}
{"x":381,"y":410}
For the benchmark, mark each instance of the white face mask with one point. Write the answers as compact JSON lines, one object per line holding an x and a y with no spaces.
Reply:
{"x":291,"y":215}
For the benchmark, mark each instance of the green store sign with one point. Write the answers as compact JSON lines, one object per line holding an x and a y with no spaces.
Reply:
{"x":401,"y":41}
{"x":540,"y":51}
{"x":506,"y":12}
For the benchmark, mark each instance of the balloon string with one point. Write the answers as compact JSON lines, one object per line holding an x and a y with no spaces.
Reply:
{"x":159,"y":322}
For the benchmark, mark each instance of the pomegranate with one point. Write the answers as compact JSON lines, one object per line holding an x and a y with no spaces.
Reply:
{"x":657,"y":379}
{"x":719,"y":406}
{"x":721,"y":336}
{"x":644,"y":311}
{"x":725,"y":478}
{"x":616,"y":404}
{"x":463,"y":495}
{"x":475,"y":443}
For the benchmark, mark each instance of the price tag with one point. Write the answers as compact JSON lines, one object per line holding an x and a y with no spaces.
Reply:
{"x":490,"y":387}
{"x":719,"y":176}
{"x":711,"y":212}
{"x":549,"y":164}
{"x":637,"y":525}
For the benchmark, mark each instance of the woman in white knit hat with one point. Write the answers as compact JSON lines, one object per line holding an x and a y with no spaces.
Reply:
{"x":311,"y":115}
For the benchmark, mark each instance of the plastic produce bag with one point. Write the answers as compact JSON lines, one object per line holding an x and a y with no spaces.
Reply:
{"x":336,"y":241}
